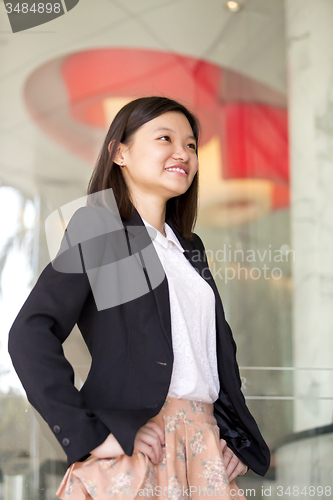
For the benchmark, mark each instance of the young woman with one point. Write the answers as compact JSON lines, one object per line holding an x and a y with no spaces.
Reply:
{"x":161,"y":412}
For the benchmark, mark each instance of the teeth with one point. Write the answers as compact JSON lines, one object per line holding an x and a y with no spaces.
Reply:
{"x":173,"y":169}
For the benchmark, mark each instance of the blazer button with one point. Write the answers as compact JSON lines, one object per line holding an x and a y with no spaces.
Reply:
{"x":56,"y":429}
{"x":65,"y":442}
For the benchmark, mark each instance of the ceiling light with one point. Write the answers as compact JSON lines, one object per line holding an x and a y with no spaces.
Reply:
{"x":234,"y":6}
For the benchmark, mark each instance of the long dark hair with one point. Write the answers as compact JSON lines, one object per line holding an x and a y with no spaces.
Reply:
{"x":180,"y":210}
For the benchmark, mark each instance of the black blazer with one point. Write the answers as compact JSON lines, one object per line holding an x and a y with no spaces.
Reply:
{"x":131,"y":349}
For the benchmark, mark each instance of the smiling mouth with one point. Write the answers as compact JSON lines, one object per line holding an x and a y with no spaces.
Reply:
{"x":177,"y":170}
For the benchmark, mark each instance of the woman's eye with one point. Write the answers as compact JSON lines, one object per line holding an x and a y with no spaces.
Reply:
{"x":193,"y":146}
{"x":165,"y":137}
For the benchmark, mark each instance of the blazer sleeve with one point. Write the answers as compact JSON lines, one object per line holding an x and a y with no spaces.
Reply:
{"x":35,"y":345}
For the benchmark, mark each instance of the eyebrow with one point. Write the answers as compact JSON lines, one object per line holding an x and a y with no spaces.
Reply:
{"x":171,"y":130}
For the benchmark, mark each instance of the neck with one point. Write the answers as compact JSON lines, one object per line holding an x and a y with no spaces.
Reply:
{"x":151,"y":210}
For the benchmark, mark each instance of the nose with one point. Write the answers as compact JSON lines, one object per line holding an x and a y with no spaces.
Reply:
{"x":181,"y":154}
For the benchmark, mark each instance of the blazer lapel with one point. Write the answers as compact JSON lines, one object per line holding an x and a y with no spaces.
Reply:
{"x":137,"y":240}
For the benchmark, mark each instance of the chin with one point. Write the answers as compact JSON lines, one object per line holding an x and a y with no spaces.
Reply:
{"x":173,"y":192}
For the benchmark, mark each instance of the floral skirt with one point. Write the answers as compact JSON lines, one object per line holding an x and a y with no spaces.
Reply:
{"x":192,"y":465}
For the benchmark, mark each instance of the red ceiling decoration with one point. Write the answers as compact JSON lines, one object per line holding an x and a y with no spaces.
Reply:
{"x":253,"y":133}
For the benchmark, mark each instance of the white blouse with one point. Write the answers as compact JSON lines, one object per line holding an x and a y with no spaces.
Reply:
{"x":193,"y":325}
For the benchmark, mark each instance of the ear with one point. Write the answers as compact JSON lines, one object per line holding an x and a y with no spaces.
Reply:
{"x":118,"y":157}
{"x":110,"y":146}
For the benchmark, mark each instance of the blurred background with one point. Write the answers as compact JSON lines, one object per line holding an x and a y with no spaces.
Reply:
{"x":259,"y":75}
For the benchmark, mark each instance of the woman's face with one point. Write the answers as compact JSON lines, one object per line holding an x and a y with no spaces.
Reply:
{"x":156,"y":151}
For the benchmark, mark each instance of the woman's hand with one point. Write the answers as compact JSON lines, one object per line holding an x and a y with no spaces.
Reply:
{"x":110,"y":448}
{"x":149,"y":439}
{"x":234,"y":466}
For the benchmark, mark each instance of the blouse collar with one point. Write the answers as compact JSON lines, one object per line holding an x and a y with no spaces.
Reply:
{"x":170,"y":236}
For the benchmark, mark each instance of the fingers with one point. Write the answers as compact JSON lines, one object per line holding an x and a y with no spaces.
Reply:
{"x":150,"y":451}
{"x":149,"y":440}
{"x":238,"y":471}
{"x":153,"y":425}
{"x":228,"y":454}
{"x":223,"y":444}
{"x":153,"y":430}
{"x":231,"y":465}
{"x":234,"y":466}
{"x":235,"y":469}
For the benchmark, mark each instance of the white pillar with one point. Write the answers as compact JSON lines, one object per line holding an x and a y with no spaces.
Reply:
{"x":309,"y":26}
